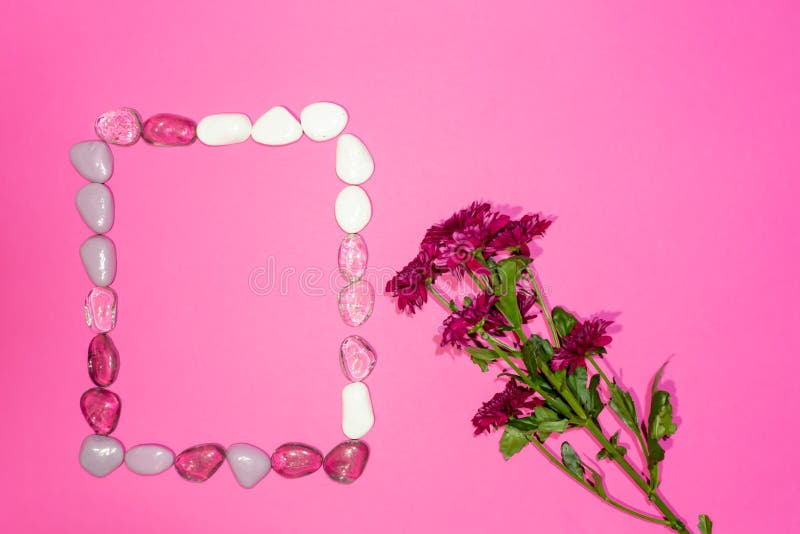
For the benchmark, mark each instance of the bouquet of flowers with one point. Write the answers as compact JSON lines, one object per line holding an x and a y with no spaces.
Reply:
{"x":554,"y":384}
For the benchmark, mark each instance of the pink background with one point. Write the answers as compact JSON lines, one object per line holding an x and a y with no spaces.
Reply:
{"x":663,"y":138}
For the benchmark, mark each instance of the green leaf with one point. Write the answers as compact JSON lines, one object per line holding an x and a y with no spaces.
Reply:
{"x":659,"y":426}
{"x":571,"y":460}
{"x":595,"y":404}
{"x":619,"y":448}
{"x":597,"y":482}
{"x":705,"y":524}
{"x":553,"y":426}
{"x":525,"y":424}
{"x":538,"y":349}
{"x":513,"y":441}
{"x":482,"y":357}
{"x":564,"y":321}
{"x":509,"y":271}
{"x":623,"y":405}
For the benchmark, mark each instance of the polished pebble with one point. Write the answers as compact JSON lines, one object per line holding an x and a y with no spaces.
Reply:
{"x":101,"y":408}
{"x":149,"y":459}
{"x":357,"y":358}
{"x":323,"y":120}
{"x":96,"y":207}
{"x":100,"y":455}
{"x":276,"y":127}
{"x":356,"y":302}
{"x":199,"y":463}
{"x":346,"y":461}
{"x":354,"y":164}
{"x":103,"y":360}
{"x":224,"y":129}
{"x":168,"y":129}
{"x":352,"y":257}
{"x":357,"y":416}
{"x":249,"y":464}
{"x":99,"y":258}
{"x":295,"y":460}
{"x":120,"y":126}
{"x":353,"y":209}
{"x":100,"y":309}
{"x":92,"y":160}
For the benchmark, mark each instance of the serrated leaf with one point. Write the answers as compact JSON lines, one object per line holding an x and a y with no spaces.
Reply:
{"x":509,"y":271}
{"x":563,"y":320}
{"x":623,"y":405}
{"x":512,"y":441}
{"x":705,"y":524}
{"x":571,"y":460}
{"x":659,"y":426}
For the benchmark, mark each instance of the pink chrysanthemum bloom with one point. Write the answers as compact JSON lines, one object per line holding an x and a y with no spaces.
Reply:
{"x":517,"y":234}
{"x":409,"y":285}
{"x":508,"y":403}
{"x":458,"y":325}
{"x":587,"y":337}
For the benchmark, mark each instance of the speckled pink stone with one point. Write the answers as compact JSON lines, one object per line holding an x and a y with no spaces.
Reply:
{"x":100,"y":309}
{"x":120,"y":126}
{"x":295,"y":460}
{"x":101,"y":408}
{"x":166,"y":129}
{"x":198,"y":463}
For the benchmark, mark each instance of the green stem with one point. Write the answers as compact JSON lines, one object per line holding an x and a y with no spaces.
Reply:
{"x":616,"y":504}
{"x":548,"y":317}
{"x":477,"y":280}
{"x":447,"y":304}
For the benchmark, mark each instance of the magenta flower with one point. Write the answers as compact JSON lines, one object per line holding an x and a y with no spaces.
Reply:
{"x":459,"y":326}
{"x":517,"y":234}
{"x":410,"y":284}
{"x":587,"y":337}
{"x":508,"y":403}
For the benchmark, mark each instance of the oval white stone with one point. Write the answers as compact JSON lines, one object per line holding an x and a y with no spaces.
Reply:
{"x":354,"y":164}
{"x":353,"y":209}
{"x":276,"y":127}
{"x":224,"y":129}
{"x":96,"y":206}
{"x":357,"y":416}
{"x":100,"y":454}
{"x":99,"y":258}
{"x":248,"y":463}
{"x":323,"y":120}
{"x":149,"y":459}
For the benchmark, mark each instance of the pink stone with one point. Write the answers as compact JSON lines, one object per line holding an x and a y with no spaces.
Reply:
{"x":295,"y":460}
{"x":166,"y":129}
{"x":352,"y":257}
{"x":100,"y":309}
{"x":198,"y":463}
{"x":100,"y":408}
{"x":103,"y":360}
{"x":120,"y":126}
{"x":346,"y":461}
{"x":355,"y":302}
{"x":357,"y":358}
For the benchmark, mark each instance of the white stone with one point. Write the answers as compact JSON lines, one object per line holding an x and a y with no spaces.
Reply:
{"x":149,"y":459}
{"x":353,"y":209}
{"x":96,"y":206}
{"x":357,"y":416}
{"x":248,"y":463}
{"x":354,"y":163}
{"x":224,"y":129}
{"x":100,"y":455}
{"x":276,"y":127}
{"x":323,"y":120}
{"x":99,"y":257}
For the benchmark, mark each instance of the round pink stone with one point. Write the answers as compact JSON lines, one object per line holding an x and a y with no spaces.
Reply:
{"x":120,"y":126}
{"x":166,"y":129}
{"x":295,"y":460}
{"x":352,"y":257}
{"x":355,"y":302}
{"x":198,"y":463}
{"x":100,"y":408}
{"x":346,"y":461}
{"x":100,"y":309}
{"x":357,"y":358}
{"x":103,"y":360}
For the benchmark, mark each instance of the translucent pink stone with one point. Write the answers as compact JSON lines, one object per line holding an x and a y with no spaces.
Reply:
{"x":120,"y":126}
{"x":352,"y":257}
{"x":100,"y":309}
{"x":355,"y":302}
{"x":295,"y":460}
{"x":198,"y":463}
{"x":166,"y":129}
{"x":100,"y":408}
{"x":103,"y":360}
{"x":357,"y":358}
{"x":346,"y":461}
